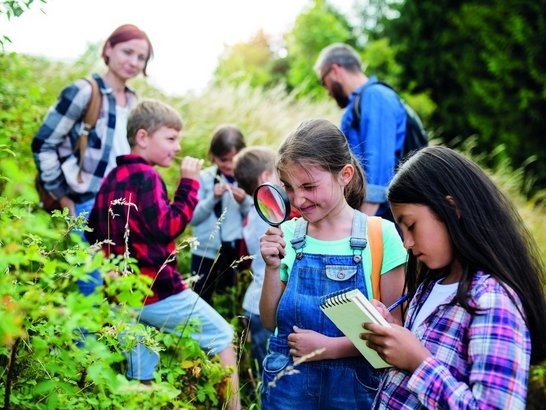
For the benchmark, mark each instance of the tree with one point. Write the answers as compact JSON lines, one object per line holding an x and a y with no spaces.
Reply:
{"x":322,"y":25}
{"x":313,"y":30}
{"x":250,"y":62}
{"x":259,"y":63}
{"x":484,"y":67}
{"x":372,"y":15}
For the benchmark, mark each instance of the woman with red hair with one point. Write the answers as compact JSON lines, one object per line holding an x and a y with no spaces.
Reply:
{"x":74,"y":182}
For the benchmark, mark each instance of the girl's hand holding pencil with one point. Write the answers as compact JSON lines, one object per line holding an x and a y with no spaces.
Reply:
{"x":386,"y":311}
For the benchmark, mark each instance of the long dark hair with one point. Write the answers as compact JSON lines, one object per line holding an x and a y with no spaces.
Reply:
{"x":319,"y":142}
{"x":486,"y":231}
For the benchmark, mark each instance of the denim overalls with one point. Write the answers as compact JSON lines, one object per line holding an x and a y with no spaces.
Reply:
{"x":347,"y":383}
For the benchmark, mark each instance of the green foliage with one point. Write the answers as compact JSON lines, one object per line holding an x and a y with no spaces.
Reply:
{"x":537,"y":390}
{"x":256,"y":64}
{"x":372,"y":15}
{"x":484,"y":69}
{"x":249,"y":62}
{"x":42,"y":312}
{"x":21,"y":108}
{"x":259,"y":64}
{"x":313,"y":30}
{"x":41,"y":309}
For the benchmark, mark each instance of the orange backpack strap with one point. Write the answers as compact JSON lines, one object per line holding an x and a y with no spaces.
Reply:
{"x":89,"y":120}
{"x":375,"y":241}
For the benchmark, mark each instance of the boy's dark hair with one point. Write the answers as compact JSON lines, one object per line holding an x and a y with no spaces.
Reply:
{"x":224,"y":139}
{"x":150,"y":115}
{"x":321,"y":143}
{"x":486,"y":232}
{"x":250,"y":163}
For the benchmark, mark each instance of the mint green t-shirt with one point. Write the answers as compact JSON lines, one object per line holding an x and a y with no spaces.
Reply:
{"x":394,"y":253}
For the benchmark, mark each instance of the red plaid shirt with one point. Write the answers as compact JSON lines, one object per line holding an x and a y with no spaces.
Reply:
{"x":133,"y":193}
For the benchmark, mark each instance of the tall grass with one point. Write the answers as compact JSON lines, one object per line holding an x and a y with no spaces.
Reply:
{"x":516,"y":184}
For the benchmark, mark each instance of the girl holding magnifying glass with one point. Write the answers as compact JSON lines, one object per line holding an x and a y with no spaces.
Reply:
{"x":307,"y":258}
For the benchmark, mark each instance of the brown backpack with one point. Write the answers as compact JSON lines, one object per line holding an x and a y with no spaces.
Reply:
{"x":47,"y":201}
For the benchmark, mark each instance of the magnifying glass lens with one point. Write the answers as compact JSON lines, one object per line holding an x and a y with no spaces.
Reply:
{"x":272,"y":204}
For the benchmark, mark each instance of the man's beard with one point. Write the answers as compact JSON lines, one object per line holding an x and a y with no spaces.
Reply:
{"x":337,"y":92}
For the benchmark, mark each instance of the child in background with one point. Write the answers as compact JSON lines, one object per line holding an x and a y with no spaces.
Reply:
{"x":326,"y":253}
{"x":255,"y":166}
{"x":154,"y":223}
{"x":476,"y":320}
{"x":218,"y":218}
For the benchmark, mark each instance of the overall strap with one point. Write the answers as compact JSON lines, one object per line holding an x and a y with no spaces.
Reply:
{"x":298,"y":241}
{"x":358,"y":240}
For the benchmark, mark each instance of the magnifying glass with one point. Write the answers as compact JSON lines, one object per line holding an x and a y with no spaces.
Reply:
{"x":272,"y":204}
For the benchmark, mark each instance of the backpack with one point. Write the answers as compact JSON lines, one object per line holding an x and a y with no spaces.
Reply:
{"x":416,"y":136}
{"x":47,"y":201}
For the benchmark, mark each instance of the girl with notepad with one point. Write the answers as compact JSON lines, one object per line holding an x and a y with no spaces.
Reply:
{"x":323,"y":252}
{"x":476,"y":320}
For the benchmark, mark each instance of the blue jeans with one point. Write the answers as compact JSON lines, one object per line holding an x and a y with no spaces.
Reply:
{"x":94,"y":279}
{"x":167,"y":315}
{"x":327,"y":384}
{"x":141,"y":361}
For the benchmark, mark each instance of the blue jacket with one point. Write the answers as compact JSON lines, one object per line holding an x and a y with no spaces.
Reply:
{"x":380,"y":136}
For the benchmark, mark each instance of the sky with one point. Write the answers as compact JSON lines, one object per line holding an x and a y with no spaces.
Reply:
{"x":188,"y":36}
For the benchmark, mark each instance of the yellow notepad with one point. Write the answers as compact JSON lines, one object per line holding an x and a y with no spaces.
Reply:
{"x":349,"y":311}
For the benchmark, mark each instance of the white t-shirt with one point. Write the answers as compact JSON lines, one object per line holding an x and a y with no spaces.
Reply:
{"x":438,"y":295}
{"x":120,"y":145}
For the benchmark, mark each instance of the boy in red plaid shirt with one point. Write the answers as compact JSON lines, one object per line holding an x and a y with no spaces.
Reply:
{"x":134,"y":194}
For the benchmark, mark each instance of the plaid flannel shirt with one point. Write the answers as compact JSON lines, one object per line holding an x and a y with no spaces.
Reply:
{"x":54,"y":144}
{"x":133,"y":193}
{"x":478,"y":361}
